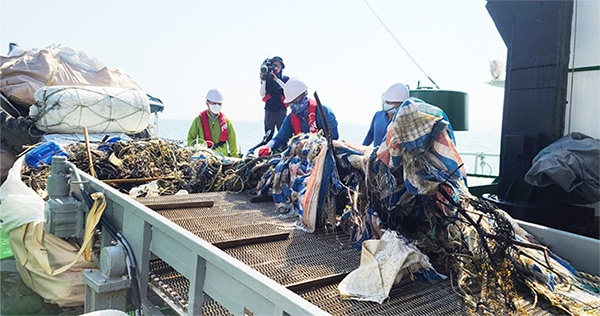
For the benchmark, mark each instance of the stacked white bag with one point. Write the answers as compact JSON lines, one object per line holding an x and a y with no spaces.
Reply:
{"x":68,"y":109}
{"x":25,"y":71}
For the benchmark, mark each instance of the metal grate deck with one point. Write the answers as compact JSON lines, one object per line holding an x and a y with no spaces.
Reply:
{"x":311,"y":265}
{"x":406,"y":298}
{"x":301,"y":258}
{"x":231,"y":217}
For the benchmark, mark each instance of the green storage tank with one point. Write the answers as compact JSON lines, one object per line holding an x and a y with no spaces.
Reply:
{"x":454,"y":103}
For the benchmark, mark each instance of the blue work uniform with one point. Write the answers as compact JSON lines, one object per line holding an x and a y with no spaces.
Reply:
{"x":287,"y":131}
{"x":378,"y":129}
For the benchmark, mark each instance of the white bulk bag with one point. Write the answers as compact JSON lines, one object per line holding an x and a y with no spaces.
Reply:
{"x":55,"y":65}
{"x":68,"y":109}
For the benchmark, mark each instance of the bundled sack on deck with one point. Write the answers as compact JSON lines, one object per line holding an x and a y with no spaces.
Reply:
{"x":21,"y":75}
{"x":68,"y":109}
{"x":49,"y":265}
{"x":571,"y":163}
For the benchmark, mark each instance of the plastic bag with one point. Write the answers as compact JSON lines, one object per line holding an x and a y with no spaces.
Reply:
{"x":54,"y":65}
{"x":572,"y":164}
{"x":19,"y":204}
{"x":39,"y":254}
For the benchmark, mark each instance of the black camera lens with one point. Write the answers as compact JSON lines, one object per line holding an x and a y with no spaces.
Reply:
{"x":264,"y":69}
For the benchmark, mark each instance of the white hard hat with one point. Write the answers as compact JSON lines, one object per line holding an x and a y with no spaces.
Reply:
{"x":293,"y":88}
{"x":397,"y":92}
{"x":214,"y":95}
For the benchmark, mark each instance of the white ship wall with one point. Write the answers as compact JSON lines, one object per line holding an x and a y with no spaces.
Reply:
{"x":583,"y":89}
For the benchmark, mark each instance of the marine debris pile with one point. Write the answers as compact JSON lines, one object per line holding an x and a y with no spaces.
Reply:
{"x":405,"y":204}
{"x":126,"y":165}
{"x":414,"y":186}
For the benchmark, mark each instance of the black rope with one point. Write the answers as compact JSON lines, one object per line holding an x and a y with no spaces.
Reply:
{"x":398,"y":42}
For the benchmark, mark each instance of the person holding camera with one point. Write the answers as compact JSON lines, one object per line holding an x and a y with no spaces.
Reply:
{"x":213,"y":128}
{"x":303,"y":118}
{"x":272,"y":82}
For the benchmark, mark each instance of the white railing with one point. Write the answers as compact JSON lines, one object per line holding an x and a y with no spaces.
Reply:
{"x":482,"y":164}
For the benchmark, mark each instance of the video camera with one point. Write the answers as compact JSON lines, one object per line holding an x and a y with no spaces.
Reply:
{"x":266,"y":68}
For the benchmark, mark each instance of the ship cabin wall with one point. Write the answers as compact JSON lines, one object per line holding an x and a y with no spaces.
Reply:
{"x":583,"y":86}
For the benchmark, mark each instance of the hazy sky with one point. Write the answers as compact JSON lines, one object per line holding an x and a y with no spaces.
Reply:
{"x":177,"y":50}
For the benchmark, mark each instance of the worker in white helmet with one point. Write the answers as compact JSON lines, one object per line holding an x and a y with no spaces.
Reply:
{"x":213,"y":128}
{"x":391,"y":101}
{"x":302,"y":119}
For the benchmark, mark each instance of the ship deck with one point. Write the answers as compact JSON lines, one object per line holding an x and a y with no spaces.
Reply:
{"x":310,"y":265}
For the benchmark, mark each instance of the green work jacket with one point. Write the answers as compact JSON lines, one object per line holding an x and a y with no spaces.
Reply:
{"x":196,"y":135}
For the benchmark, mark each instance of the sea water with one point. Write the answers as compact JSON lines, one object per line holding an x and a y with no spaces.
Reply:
{"x":474,"y":145}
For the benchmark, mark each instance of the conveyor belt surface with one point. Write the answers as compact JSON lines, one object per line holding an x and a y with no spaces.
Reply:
{"x":311,"y":265}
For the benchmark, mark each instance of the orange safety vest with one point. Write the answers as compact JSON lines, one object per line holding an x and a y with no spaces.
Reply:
{"x":206,"y":128}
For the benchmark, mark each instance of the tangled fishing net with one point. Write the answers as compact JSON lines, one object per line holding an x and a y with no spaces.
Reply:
{"x":415,"y":185}
{"x":126,"y":165}
{"x":409,"y":194}
{"x":414,"y":189}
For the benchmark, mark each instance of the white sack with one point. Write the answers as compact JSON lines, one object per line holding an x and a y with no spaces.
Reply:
{"x":19,"y":204}
{"x":68,"y":109}
{"x":36,"y":252}
{"x":39,"y":254}
{"x":383,"y":262}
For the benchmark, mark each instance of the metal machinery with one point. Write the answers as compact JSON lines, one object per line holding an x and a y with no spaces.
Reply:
{"x":63,"y":213}
{"x":134,"y":235}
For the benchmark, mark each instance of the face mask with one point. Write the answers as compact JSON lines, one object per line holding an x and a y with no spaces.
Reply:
{"x":389,"y":108}
{"x":215,"y":108}
{"x":278,"y":69}
{"x":300,"y":108}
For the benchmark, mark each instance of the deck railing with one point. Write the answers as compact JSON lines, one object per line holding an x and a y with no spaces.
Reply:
{"x":482,"y":164}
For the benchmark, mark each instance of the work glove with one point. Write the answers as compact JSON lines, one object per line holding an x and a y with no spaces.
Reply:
{"x":264,"y":151}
